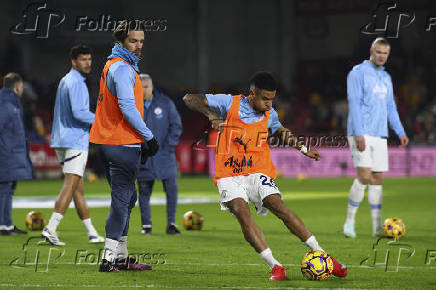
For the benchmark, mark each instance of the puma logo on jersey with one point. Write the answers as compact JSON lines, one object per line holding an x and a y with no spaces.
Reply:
{"x":241,"y":142}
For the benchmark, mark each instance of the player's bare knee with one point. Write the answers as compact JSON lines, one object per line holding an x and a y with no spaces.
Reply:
{"x":242,"y":213}
{"x":365,"y":179}
{"x":272,"y":201}
{"x":275,"y":204}
{"x":377,"y":178}
{"x":364,"y":175}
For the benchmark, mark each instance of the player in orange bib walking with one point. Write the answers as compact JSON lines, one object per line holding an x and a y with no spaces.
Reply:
{"x":125,"y":140}
{"x":243,"y":168}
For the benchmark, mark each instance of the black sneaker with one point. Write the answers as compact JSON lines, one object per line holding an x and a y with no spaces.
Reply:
{"x":5,"y":233}
{"x":146,"y":230}
{"x":106,"y":266}
{"x":17,"y":231}
{"x":172,"y":229}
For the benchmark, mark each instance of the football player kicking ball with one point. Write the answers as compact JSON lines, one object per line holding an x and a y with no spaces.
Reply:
{"x":243,"y":168}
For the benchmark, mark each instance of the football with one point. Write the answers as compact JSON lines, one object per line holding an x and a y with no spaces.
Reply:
{"x":301,"y":177}
{"x":193,"y":220}
{"x":316,"y":265}
{"x":34,"y":221}
{"x":394,"y":228}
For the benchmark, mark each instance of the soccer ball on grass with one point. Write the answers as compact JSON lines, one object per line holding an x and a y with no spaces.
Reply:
{"x":193,"y":220}
{"x":394,"y":228}
{"x":316,"y":265}
{"x":34,"y":221}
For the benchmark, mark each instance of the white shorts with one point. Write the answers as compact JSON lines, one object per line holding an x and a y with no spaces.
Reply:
{"x":375,"y":155}
{"x":253,"y":187}
{"x":72,"y":160}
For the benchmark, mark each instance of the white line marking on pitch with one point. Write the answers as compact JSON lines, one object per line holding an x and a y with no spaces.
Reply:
{"x":48,"y":202}
{"x":253,"y":265}
{"x":140,"y":286}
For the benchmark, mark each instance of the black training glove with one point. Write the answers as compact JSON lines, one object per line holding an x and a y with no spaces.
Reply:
{"x":149,"y":148}
{"x":144,"y":154}
{"x":153,"y":146}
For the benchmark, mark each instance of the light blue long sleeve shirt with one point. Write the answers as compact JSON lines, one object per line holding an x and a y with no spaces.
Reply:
{"x":120,"y":82}
{"x":371,"y":102}
{"x":221,"y":104}
{"x":72,"y":118}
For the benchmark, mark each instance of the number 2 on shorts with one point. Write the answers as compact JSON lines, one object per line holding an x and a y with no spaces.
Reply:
{"x":267,"y":181}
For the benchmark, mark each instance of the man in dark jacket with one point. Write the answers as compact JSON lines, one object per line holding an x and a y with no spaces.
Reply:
{"x":162,"y":118}
{"x":14,"y":155}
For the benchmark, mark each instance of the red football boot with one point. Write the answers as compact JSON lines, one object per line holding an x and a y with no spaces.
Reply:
{"x":278,"y":273}
{"x":339,"y":270}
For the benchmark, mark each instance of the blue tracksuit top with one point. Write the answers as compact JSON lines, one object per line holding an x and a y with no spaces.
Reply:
{"x":371,"y":102}
{"x":72,"y":118}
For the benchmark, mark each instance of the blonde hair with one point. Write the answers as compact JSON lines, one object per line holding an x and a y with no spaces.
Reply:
{"x":380,"y":40}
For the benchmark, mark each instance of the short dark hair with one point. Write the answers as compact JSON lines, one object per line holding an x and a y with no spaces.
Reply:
{"x":124,"y":27}
{"x":380,"y":40}
{"x":11,"y":79}
{"x":264,"y":81}
{"x":79,"y":49}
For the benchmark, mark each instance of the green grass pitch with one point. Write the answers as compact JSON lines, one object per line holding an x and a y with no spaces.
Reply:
{"x":219,"y":257}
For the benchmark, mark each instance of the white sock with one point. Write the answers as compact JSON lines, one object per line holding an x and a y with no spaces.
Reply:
{"x":375,"y":198}
{"x":89,"y":227}
{"x":267,"y":256}
{"x":313,"y":244}
{"x":122,"y":251}
{"x":357,"y":192}
{"x":110,"y":250}
{"x":54,"y":221}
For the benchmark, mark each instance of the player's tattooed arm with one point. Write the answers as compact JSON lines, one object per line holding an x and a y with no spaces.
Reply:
{"x":286,"y":138}
{"x":198,"y":102}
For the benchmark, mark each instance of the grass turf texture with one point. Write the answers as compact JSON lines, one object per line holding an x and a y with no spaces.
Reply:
{"x":219,"y":257}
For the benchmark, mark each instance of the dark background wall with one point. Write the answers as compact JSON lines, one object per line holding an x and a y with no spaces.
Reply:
{"x":215,"y":46}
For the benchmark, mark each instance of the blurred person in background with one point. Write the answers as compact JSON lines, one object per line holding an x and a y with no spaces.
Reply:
{"x":69,"y":137}
{"x":163,"y":119}
{"x":371,"y":107}
{"x":14,"y":150}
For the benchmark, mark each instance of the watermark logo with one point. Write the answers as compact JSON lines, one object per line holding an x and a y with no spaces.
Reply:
{"x":430,"y":257}
{"x":37,"y":254}
{"x":388,"y":254}
{"x":37,"y":19}
{"x":388,"y":19}
{"x":93,"y":257}
{"x":238,"y":135}
{"x":106,"y":22}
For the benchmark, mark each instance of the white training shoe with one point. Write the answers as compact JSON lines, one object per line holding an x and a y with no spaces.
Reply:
{"x":349,"y":231}
{"x":377,"y":232}
{"x":51,"y":237}
{"x":96,"y":239}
